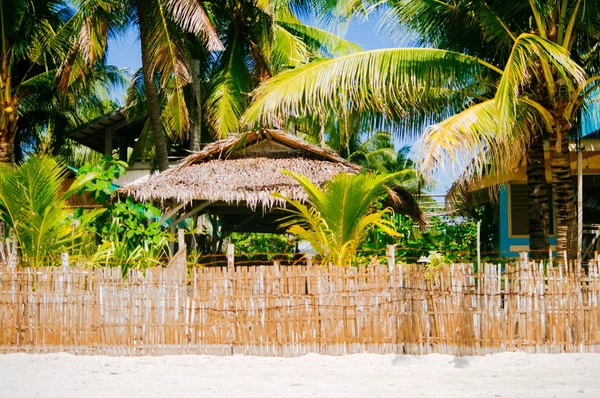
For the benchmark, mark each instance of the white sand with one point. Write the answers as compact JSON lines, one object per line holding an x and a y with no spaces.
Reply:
{"x":363,"y":375}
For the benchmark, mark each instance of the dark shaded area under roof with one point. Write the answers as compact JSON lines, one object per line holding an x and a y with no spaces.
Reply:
{"x":94,"y":134}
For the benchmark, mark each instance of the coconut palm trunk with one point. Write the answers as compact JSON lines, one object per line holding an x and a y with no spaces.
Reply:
{"x":8,"y":109}
{"x":538,"y":199}
{"x":152,"y":102}
{"x":196,"y":120}
{"x":8,"y":125}
{"x":563,"y":191}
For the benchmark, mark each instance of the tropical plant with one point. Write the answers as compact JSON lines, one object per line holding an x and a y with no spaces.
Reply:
{"x":262,"y":245}
{"x":507,"y":75}
{"x":127,"y":234}
{"x":44,"y":83}
{"x":106,"y":171}
{"x":338,"y":217}
{"x":138,"y":248}
{"x":34,"y":207}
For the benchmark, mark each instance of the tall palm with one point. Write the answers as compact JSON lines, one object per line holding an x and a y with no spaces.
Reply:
{"x":532,"y":85}
{"x":338,"y":217}
{"x":42,"y":77}
{"x":261,"y":39}
{"x":201,"y":58}
{"x":165,"y":62}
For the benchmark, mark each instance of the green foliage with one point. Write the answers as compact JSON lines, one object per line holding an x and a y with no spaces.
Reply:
{"x":446,"y":239}
{"x":256,"y":244}
{"x":33,"y":205}
{"x":132,"y":246}
{"x":338,"y":218}
{"x":106,"y":171}
{"x":128,"y":234}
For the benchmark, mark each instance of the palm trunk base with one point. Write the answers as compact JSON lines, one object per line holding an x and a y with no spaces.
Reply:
{"x":7,"y":152}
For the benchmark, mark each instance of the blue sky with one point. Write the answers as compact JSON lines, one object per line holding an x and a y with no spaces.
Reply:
{"x":124,"y":51}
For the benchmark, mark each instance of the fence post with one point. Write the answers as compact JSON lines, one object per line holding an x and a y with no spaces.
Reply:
{"x":478,"y":245}
{"x":391,"y":257}
{"x":181,"y":239}
{"x":64,"y":259}
{"x":550,"y":259}
{"x":523,"y":259}
{"x":309,"y":259}
{"x":230,"y":256}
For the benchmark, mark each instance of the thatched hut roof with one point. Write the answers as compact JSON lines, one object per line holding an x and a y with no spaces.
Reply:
{"x":245,"y":169}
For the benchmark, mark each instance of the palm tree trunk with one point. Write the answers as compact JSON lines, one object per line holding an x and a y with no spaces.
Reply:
{"x":7,"y":151}
{"x":563,"y":192}
{"x":538,"y":199}
{"x":8,"y":112}
{"x":196,"y":120}
{"x":152,"y":103}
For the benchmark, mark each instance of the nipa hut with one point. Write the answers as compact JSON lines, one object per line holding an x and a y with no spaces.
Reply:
{"x":235,"y":178}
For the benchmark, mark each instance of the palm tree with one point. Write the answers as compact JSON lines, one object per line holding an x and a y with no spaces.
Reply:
{"x":261,"y":39}
{"x":525,"y":82}
{"x":42,"y":78}
{"x":337,"y":218}
{"x":201,"y":58}
{"x":33,"y":205}
{"x":165,"y":62}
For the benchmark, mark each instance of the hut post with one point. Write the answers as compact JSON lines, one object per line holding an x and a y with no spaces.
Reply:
{"x":108,"y":141}
{"x":181,"y":239}
{"x":231,"y":256}
{"x":391,"y":257}
{"x":64,"y":259}
{"x":309,"y":259}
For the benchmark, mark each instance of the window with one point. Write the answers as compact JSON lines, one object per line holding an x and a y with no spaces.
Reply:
{"x":519,"y":209}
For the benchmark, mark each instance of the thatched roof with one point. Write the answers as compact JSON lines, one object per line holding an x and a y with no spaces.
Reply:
{"x":245,"y":169}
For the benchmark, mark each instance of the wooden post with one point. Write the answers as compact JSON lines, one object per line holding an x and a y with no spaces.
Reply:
{"x":478,"y":245}
{"x":550,"y":259}
{"x":309,"y":259}
{"x":181,"y":239}
{"x":64,"y":259}
{"x":391,"y":257}
{"x":523,"y":259}
{"x":276,"y":266}
{"x":230,"y":256}
{"x":108,"y":141}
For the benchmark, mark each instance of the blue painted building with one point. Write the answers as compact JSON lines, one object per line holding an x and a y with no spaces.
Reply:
{"x":512,"y":205}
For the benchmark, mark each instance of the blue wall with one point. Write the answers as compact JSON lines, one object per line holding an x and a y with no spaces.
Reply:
{"x":505,"y":240}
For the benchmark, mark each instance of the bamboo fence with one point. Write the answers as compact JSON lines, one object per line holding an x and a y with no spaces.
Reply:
{"x":293,"y":310}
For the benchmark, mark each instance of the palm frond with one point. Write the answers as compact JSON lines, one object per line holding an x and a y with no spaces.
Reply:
{"x":226,"y":99}
{"x":390,"y":82}
{"x":33,"y":205}
{"x":288,"y":50}
{"x":192,"y":17}
{"x":528,"y":55}
{"x":320,"y":39}
{"x":338,"y":216}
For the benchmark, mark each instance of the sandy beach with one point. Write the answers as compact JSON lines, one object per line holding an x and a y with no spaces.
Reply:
{"x":362,"y":375}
